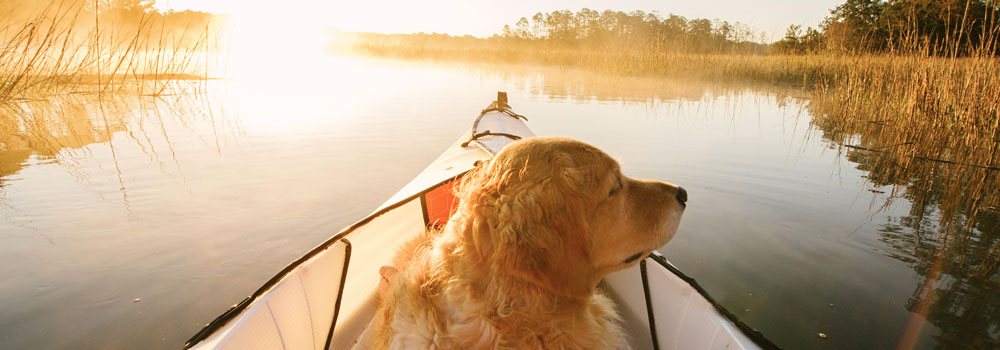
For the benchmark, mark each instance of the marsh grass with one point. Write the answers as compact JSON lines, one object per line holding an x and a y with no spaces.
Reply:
{"x":66,"y":47}
{"x":928,"y":127}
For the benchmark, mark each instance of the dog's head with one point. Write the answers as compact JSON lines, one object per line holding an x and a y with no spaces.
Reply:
{"x":560,"y":214}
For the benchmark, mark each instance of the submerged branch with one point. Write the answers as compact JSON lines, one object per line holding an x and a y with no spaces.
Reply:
{"x":923,"y":158}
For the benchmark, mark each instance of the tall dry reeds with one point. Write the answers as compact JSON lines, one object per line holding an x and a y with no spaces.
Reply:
{"x":68,"y":47}
{"x":930,"y":128}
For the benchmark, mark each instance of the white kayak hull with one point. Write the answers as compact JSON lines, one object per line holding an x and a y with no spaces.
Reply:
{"x":325,"y":299}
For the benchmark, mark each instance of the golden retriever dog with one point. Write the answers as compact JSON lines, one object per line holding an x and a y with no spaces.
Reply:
{"x":517,"y":265}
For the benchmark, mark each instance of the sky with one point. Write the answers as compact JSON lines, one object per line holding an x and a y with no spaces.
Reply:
{"x":461,"y":17}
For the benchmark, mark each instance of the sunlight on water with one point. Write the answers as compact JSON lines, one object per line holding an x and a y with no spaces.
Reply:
{"x":188,"y":202}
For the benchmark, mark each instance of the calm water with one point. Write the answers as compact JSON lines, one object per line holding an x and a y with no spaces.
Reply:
{"x":133,"y":222}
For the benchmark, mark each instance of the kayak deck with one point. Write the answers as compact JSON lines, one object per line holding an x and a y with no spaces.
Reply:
{"x":325,"y":299}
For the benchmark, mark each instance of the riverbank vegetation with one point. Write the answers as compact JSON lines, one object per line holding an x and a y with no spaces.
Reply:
{"x":68,"y":46}
{"x":856,"y":33}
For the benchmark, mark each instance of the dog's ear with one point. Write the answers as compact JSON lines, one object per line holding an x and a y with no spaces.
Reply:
{"x":538,"y":228}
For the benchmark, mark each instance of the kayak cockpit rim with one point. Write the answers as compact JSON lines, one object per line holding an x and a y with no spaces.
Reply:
{"x":235,"y":310}
{"x":491,"y":147}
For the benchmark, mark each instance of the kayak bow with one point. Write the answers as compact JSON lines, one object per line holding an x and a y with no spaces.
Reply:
{"x":323,"y":301}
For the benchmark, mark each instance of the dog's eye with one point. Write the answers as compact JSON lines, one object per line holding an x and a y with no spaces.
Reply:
{"x":614,"y":190}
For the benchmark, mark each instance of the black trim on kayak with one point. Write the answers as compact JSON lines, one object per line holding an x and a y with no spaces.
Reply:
{"x":649,"y":305}
{"x":220,"y":321}
{"x":340,"y":291}
{"x":756,"y":336}
{"x":423,"y":208}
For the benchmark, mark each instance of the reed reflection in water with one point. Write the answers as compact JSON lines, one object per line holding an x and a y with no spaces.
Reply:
{"x":87,"y":183}
{"x":63,"y":129}
{"x":944,"y":168}
{"x":189,"y":202}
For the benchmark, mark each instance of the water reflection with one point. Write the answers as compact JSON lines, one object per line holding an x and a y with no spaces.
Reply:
{"x":951,"y":235}
{"x":190,"y":201}
{"x":573,"y":85}
{"x":62,"y":129}
{"x":44,"y":129}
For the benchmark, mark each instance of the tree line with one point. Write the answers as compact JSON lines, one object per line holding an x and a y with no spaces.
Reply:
{"x":935,"y":27}
{"x":637,"y":28}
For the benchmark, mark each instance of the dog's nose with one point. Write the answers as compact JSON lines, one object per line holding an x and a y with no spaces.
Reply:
{"x":682,"y":195}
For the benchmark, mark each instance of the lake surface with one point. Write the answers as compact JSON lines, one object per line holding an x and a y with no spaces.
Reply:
{"x":133,"y":221}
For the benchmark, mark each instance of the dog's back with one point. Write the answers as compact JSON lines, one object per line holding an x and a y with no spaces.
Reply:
{"x":418,"y":308}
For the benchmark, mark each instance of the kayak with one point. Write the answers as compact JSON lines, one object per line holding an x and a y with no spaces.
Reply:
{"x":326,"y":298}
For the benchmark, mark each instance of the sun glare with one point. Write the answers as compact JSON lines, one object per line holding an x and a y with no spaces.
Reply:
{"x":265,"y":38}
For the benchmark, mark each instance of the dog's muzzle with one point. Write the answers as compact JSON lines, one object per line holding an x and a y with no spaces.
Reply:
{"x":682,"y":196}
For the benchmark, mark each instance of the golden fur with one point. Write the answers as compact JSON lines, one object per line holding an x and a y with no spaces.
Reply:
{"x":518,"y":264}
